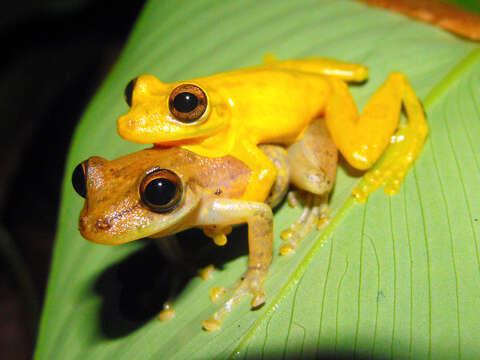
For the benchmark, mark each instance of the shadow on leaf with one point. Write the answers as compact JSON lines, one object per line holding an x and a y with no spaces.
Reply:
{"x":134,"y":290}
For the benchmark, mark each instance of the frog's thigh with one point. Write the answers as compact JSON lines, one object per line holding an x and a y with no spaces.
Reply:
{"x":349,"y":72}
{"x":313,"y":160}
{"x":362,"y":140}
{"x":263,"y":170}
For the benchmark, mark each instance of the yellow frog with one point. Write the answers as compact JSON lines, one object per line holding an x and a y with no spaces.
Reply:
{"x":231,"y":113}
{"x":161,"y":191}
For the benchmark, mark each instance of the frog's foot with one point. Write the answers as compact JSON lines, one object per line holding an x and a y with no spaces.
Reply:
{"x":393,"y":166}
{"x":315,"y":213}
{"x":249,"y":283}
{"x":217,"y":233}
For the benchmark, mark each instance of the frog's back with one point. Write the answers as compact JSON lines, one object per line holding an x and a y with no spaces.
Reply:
{"x":270,"y":105}
{"x":223,"y":176}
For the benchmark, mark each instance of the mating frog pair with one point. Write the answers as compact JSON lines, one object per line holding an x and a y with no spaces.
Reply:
{"x":209,"y":170}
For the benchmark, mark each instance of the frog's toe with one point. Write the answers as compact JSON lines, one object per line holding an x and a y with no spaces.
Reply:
{"x":167,"y":313}
{"x":314,"y":213}
{"x":390,"y":175}
{"x":286,"y":249}
{"x":206,"y":272}
{"x":294,"y":198}
{"x":258,"y":300}
{"x":217,"y":233}
{"x":217,"y":292}
{"x":211,"y":324}
{"x":249,"y":283}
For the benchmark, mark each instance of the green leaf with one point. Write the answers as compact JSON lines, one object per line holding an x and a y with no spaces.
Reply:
{"x":472,"y":5}
{"x":395,"y":277}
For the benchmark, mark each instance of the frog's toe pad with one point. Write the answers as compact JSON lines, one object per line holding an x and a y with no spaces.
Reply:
{"x":211,"y":324}
{"x":258,"y":300}
{"x":391,"y":177}
{"x":217,"y":292}
{"x":167,"y":313}
{"x":286,"y":249}
{"x":287,"y":234}
{"x":206,"y":272}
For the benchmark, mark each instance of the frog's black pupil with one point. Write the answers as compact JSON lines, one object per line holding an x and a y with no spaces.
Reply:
{"x":160,"y":191}
{"x":78,"y":181}
{"x":185,"y":102}
{"x":129,"y":91}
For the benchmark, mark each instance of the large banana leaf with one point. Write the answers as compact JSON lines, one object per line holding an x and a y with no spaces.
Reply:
{"x":393,"y":277}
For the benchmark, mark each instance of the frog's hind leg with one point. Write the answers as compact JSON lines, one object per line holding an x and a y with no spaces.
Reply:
{"x":363,"y":139}
{"x":349,"y":72}
{"x":313,"y":162}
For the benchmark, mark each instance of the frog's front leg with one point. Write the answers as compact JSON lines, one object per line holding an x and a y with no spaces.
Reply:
{"x":278,"y":156}
{"x":259,"y":218}
{"x":362,"y":140}
{"x":263,"y":170}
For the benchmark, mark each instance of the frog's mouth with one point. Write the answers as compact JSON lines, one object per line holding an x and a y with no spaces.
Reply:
{"x":136,"y":222}
{"x":159,"y":128}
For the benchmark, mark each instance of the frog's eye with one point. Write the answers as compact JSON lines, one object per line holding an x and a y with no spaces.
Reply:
{"x":161,"y":190}
{"x":129,"y":91}
{"x":187,"y":103}
{"x":79,"y":179}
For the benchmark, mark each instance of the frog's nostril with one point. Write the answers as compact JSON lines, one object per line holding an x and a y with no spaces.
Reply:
{"x":103,"y":224}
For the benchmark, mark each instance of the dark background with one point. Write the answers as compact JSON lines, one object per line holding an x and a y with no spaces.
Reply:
{"x":54,"y":56}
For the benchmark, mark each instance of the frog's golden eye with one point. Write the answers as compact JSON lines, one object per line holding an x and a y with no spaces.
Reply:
{"x":79,"y":179}
{"x":187,"y":103}
{"x":129,"y":91}
{"x":161,"y":190}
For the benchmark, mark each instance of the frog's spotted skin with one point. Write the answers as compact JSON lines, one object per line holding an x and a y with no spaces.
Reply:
{"x":231,"y":113}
